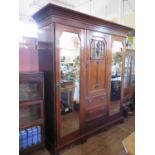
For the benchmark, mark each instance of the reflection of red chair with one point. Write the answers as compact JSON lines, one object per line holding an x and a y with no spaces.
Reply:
{"x":28,"y":55}
{"x":28,"y":60}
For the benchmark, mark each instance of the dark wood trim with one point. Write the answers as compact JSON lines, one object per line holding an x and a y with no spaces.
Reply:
{"x":33,"y":123}
{"x":28,"y":103}
{"x":32,"y":149}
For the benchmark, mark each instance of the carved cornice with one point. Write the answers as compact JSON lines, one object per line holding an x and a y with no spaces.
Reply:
{"x":51,"y":10}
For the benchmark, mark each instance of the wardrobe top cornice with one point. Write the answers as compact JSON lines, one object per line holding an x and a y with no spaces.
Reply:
{"x":51,"y":10}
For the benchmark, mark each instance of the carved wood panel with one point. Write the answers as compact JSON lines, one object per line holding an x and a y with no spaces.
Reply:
{"x":96,"y":63}
{"x":95,"y":77}
{"x":96,"y":111}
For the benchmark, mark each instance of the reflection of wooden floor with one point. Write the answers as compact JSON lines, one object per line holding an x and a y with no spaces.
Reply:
{"x":114,"y":107}
{"x":69,"y":123}
{"x":104,"y":143}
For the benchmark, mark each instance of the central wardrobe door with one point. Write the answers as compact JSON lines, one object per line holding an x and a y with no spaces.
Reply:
{"x":96,"y":79}
{"x":69,"y":73}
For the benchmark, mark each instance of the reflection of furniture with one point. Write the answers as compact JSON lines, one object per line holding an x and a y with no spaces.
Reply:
{"x":67,"y":92}
{"x":115,"y":89}
{"x":129,"y":79}
{"x":95,"y":71}
{"x":129,"y":144}
{"x":31,"y":110}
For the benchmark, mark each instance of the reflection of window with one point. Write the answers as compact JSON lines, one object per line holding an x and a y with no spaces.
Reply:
{"x":116,"y":71}
{"x":97,"y":49}
{"x":69,"y":47}
{"x":70,"y":69}
{"x":69,"y":41}
{"x":69,"y":56}
{"x":116,"y":59}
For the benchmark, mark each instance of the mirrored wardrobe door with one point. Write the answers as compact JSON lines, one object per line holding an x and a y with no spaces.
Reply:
{"x":116,"y":77}
{"x":69,"y":82}
{"x":68,"y":79}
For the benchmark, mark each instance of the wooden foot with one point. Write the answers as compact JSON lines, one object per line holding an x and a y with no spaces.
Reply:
{"x":56,"y":152}
{"x":83,"y":141}
{"x":106,"y":129}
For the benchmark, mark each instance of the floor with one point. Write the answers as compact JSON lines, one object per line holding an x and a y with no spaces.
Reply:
{"x":106,"y":143}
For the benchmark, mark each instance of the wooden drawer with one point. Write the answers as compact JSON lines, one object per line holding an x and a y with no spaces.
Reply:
{"x":96,"y":108}
{"x":95,"y":101}
{"x":95,"y":113}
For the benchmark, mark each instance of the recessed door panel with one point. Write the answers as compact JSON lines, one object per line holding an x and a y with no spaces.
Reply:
{"x":96,"y":76}
{"x":91,"y":73}
{"x":101,"y":76}
{"x":96,"y":62}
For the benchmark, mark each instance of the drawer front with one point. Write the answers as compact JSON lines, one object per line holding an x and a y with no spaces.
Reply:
{"x":95,"y":113}
{"x":96,"y":108}
{"x":99,"y":100}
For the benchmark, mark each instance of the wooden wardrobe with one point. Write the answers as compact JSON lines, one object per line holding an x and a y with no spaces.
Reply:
{"x":82,"y":58}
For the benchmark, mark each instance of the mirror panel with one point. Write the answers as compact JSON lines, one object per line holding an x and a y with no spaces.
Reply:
{"x":69,"y":83}
{"x":116,"y":72}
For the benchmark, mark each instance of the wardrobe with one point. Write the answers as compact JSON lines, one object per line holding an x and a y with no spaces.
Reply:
{"x":82,"y":58}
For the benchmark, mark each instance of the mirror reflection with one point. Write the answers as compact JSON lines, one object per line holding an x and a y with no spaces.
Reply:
{"x":133,"y":71}
{"x":116,"y":72}
{"x":70,"y":82}
{"x":127,"y":71}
